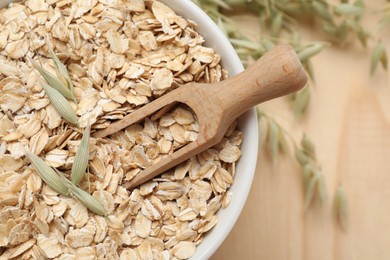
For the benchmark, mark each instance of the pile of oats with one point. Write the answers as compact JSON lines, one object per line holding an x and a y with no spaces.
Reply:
{"x":120,"y":54}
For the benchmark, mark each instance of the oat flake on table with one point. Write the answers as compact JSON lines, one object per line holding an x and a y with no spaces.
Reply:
{"x":120,"y":54}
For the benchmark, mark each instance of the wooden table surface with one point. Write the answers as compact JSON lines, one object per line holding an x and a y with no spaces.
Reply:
{"x":348,"y":121}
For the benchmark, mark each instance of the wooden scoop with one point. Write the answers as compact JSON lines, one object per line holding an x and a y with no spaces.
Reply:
{"x":279,"y":72}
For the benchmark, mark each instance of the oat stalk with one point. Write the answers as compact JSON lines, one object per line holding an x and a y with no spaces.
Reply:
{"x":274,"y":139}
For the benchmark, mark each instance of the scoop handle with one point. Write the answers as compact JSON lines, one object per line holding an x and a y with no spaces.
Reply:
{"x":277,"y":73}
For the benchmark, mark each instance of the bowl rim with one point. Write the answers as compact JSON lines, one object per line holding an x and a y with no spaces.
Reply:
{"x":247,"y":123}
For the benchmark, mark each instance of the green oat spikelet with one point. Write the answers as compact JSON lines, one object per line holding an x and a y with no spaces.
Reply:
{"x":47,"y":174}
{"x":81,"y":158}
{"x":340,"y":207}
{"x":379,"y":55}
{"x":53,"y":81}
{"x":62,"y":72}
{"x":61,"y":104}
{"x":89,"y":201}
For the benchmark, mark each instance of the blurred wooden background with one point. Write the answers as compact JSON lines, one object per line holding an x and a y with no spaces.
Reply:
{"x":348,"y":120}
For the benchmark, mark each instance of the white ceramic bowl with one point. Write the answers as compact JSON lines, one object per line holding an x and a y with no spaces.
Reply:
{"x":247,"y":123}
